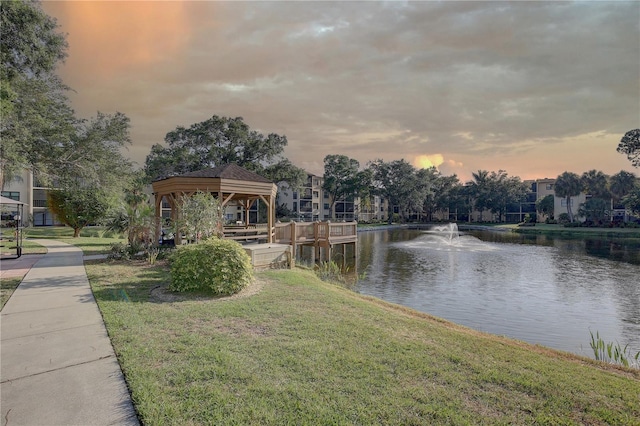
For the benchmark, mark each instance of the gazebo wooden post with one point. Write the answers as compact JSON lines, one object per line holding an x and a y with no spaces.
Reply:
{"x":158,"y":209}
{"x":272,"y":218}
{"x":177,"y":237}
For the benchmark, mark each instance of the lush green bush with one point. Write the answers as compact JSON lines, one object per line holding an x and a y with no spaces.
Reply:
{"x":119,"y":251}
{"x":218,"y":266}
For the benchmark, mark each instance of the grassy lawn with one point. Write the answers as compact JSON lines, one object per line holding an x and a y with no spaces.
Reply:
{"x":92,"y":240}
{"x":29,"y":247}
{"x":543,"y":228}
{"x":7,"y":286}
{"x":301,"y":351}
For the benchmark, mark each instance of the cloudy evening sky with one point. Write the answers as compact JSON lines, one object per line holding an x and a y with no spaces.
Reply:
{"x":535,"y":88}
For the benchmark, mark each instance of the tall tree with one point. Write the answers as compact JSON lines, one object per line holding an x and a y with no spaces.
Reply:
{"x":568,"y":185}
{"x":90,"y":168}
{"x":218,"y":141}
{"x":494,"y":191}
{"x":621,"y":184}
{"x":434,"y":187}
{"x":630,"y":146}
{"x":78,"y":205}
{"x":94,"y":153}
{"x":135,"y":216}
{"x":459,"y":199}
{"x":596,"y":183}
{"x":545,"y":205}
{"x":397,"y":182}
{"x":33,"y":104}
{"x":340,"y":178}
{"x":285,"y":171}
{"x":631,"y":201}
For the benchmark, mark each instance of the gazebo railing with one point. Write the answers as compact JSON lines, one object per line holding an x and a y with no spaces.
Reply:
{"x":315,"y":232}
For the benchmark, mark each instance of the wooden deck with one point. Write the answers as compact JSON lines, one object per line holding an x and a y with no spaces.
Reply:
{"x":317,"y":239}
{"x":323,"y":236}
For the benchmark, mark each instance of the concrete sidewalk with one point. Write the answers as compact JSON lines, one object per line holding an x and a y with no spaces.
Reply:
{"x":57,"y":363}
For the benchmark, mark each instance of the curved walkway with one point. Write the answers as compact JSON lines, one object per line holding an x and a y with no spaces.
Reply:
{"x":57,"y":363}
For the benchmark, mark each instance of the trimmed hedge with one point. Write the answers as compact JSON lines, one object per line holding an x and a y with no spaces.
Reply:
{"x":221,"y":267}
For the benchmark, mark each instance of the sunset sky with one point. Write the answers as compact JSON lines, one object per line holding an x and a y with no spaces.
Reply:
{"x":534,"y":88}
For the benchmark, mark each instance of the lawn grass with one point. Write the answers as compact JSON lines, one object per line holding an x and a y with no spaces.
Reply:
{"x":302,"y":351}
{"x":7,"y":287}
{"x":30,"y":247}
{"x":92,"y":240}
{"x":543,"y":228}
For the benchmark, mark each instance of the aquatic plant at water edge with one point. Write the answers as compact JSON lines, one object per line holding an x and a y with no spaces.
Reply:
{"x":331,"y":272}
{"x":613,"y":352}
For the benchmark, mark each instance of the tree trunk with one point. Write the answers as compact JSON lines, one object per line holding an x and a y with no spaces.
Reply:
{"x":569,"y":212}
{"x":76,"y":232}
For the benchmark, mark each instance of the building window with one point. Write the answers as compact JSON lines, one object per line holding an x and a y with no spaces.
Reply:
{"x":305,"y":206}
{"x":315,"y":194}
{"x":295,"y":206}
{"x":315,"y":206}
{"x":549,"y":186}
{"x":295,"y":195}
{"x":11,"y":194}
{"x":326,"y":206}
{"x":563,"y":202}
{"x":326,"y":195}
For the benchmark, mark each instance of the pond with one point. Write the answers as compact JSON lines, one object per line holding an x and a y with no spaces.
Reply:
{"x":542,"y":290}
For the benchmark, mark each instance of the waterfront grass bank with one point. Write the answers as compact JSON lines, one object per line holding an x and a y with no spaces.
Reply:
{"x":301,"y":351}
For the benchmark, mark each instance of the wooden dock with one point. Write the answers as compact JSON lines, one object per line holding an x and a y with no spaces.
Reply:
{"x":322,"y":238}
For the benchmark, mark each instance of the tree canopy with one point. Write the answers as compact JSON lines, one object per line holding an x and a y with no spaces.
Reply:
{"x":546,"y":205}
{"x":630,"y":146}
{"x":398,"y":182}
{"x":596,"y":183}
{"x":218,"y":141}
{"x":568,"y":185}
{"x":33,"y":103}
{"x":494,"y":191}
{"x":78,"y":206}
{"x":89,"y":167}
{"x":340,"y":177}
{"x":621,"y":184}
{"x":93,"y":153}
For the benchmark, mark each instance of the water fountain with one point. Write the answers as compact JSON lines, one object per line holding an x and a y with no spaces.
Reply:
{"x":448,"y":238}
{"x":449,"y":231}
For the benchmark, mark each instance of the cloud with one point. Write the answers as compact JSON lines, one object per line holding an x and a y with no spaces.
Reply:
{"x":428,"y":161}
{"x":482,"y":82}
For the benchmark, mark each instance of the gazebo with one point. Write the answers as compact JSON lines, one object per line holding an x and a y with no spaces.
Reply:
{"x":230,"y":183}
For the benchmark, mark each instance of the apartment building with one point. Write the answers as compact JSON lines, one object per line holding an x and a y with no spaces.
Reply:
{"x":312,"y":203}
{"x":30,"y":191}
{"x":539,"y":188}
{"x":308,"y":204}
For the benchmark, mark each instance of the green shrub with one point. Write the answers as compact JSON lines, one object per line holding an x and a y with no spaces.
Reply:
{"x":119,"y":251}
{"x":218,"y":266}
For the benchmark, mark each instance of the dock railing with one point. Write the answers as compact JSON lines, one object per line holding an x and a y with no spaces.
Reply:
{"x":294,"y":233}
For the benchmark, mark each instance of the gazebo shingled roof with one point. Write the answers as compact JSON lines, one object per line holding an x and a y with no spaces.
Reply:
{"x":225,"y":171}
{"x":227,"y":182}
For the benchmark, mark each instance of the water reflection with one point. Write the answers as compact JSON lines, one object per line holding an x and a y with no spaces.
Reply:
{"x":533,"y":288}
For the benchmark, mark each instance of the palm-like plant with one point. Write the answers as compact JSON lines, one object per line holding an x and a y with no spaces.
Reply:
{"x":595,"y":182}
{"x":621,"y":184}
{"x":568,"y":185}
